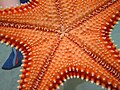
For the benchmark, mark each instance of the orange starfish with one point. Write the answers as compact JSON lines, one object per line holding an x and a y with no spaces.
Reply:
{"x":64,"y":38}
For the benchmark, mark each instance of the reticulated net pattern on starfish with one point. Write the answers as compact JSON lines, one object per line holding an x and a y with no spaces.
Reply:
{"x":64,"y":38}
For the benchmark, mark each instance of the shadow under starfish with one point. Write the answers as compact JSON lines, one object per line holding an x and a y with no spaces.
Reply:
{"x":64,"y":38}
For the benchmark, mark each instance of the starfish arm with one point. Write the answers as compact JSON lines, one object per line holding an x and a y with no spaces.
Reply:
{"x":35,"y":66}
{"x":70,"y":61}
{"x":19,"y":37}
{"x":36,"y":48}
{"x":105,"y":11}
{"x":98,"y":32}
{"x":71,"y":11}
{"x":14,"y":37}
{"x":34,"y":13}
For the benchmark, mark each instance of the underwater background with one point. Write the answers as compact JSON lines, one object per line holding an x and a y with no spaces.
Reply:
{"x":8,"y":78}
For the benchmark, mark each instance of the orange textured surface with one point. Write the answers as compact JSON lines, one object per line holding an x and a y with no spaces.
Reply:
{"x":62,"y":39}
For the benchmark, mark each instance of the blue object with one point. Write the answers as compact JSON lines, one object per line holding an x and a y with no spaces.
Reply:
{"x":14,"y":60}
{"x":24,"y":1}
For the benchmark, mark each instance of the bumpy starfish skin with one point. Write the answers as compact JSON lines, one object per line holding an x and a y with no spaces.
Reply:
{"x":62,"y":39}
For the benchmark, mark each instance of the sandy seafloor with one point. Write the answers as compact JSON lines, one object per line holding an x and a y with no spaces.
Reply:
{"x":8,"y":78}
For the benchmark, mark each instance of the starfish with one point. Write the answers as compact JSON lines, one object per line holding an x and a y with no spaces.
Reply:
{"x":62,"y":39}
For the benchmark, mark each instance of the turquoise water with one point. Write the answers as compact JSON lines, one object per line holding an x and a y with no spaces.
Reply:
{"x":116,"y":34}
{"x":8,"y":78}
